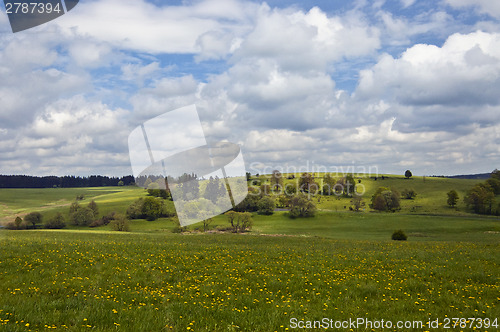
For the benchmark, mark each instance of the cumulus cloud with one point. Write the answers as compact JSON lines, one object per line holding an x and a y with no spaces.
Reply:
{"x":143,"y":26}
{"x":456,"y":83}
{"x":74,"y":134}
{"x":483,"y":6}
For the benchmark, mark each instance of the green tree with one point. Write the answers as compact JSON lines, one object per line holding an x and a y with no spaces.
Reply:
{"x":452,"y":197}
{"x":83,"y":217}
{"x":277,"y":181}
{"x":328,"y":184}
{"x":151,"y":208}
{"x":357,"y":202}
{"x":33,"y":218}
{"x":494,"y":184}
{"x":301,"y":206}
{"x":307,"y":184}
{"x":207,"y":222}
{"x":134,"y":211}
{"x":480,"y":198}
{"x":249,"y":204}
{"x":214,"y":189}
{"x":290,"y":189}
{"x":74,"y":207}
{"x":93,"y":206}
{"x":18,"y":222}
{"x":386,"y":199}
{"x":408,"y":174}
{"x":266,"y":205}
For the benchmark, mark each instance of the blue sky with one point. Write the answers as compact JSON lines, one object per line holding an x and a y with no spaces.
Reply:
{"x":396,"y":85}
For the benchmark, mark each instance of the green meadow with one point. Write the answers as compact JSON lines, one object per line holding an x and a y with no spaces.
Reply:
{"x":338,"y":265}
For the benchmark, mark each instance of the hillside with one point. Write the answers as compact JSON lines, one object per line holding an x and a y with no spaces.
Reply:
{"x":426,"y":217}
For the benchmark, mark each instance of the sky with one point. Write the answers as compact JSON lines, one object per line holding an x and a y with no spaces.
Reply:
{"x":383,"y":85}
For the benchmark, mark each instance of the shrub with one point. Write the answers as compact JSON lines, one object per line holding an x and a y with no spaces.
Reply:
{"x":409,"y":194}
{"x":108,"y":218}
{"x":120,"y":223}
{"x":240,"y":221}
{"x":17,"y":224}
{"x":56,"y":223}
{"x":179,"y":229}
{"x":301,"y":206}
{"x":399,"y":235}
{"x":266,"y":205}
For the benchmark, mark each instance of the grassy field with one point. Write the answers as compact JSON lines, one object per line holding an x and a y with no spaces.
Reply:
{"x":93,"y":280}
{"x":339,"y":265}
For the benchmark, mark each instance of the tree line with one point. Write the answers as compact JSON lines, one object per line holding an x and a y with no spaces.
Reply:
{"x":28,"y":181}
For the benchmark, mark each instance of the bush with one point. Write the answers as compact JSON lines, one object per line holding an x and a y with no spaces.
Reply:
{"x":240,"y":221}
{"x":266,"y":205}
{"x":108,"y":218}
{"x":120,"y":223}
{"x":56,"y":223}
{"x":399,"y":235}
{"x":301,"y":206}
{"x":17,"y":224}
{"x":409,"y":194}
{"x":179,"y":229}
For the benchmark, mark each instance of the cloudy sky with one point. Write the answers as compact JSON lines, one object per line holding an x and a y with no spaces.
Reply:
{"x":396,"y":84}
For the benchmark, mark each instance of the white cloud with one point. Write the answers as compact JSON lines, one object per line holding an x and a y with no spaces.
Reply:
{"x":307,"y":41}
{"x":490,"y":7}
{"x":465,"y":70}
{"x":143,"y":26}
{"x":407,"y":3}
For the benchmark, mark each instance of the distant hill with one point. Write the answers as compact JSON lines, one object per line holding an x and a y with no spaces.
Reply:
{"x":471,"y":176}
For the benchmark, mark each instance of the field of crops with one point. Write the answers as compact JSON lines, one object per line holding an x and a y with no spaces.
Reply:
{"x":99,"y":281}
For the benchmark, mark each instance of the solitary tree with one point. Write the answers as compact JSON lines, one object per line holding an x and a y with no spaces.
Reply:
{"x":452,"y":197}
{"x":408,"y":174}
{"x":33,"y":218}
